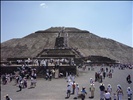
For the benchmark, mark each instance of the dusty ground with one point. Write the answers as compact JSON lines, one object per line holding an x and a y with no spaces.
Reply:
{"x":56,"y":89}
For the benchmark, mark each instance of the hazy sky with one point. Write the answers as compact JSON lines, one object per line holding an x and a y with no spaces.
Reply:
{"x":108,"y":19}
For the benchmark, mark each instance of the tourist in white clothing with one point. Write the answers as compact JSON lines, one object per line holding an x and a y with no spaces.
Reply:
{"x":129,"y":93}
{"x":109,"y":88}
{"x":107,"y":95}
{"x":91,"y":81}
{"x":76,"y":91}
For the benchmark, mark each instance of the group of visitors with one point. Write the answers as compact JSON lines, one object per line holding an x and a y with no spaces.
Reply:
{"x":105,"y":92}
{"x":55,"y":62}
{"x":6,"y":78}
{"x":103,"y":73}
{"x":24,"y":74}
{"x":73,"y":88}
{"x":21,"y":76}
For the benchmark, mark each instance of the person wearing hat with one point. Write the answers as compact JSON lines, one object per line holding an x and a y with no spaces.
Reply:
{"x":129,"y":93}
{"x":83,"y":92}
{"x":73,"y":87}
{"x":68,"y":90}
{"x":92,"y":89}
{"x":109,"y":88}
{"x":119,"y":92}
{"x":7,"y":97}
{"x":91,"y":81}
{"x":76,"y":91}
{"x":102,"y":89}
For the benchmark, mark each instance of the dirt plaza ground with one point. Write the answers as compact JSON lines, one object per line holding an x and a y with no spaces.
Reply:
{"x":56,"y":89}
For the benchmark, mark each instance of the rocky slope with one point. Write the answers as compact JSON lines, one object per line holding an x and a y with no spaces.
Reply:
{"x":86,"y":42}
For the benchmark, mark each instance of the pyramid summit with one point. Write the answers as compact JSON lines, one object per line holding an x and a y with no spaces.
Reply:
{"x":88,"y":44}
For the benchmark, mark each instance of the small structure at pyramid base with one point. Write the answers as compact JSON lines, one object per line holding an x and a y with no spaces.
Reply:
{"x":62,"y":58}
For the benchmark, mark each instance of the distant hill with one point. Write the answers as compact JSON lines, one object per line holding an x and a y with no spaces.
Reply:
{"x":86,"y":42}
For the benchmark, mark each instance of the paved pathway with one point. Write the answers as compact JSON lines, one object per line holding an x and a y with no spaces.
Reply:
{"x":56,"y":89}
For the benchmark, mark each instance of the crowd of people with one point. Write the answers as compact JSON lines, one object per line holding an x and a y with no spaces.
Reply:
{"x":45,"y":62}
{"x":21,"y":76}
{"x":105,"y":91}
{"x":73,"y":88}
